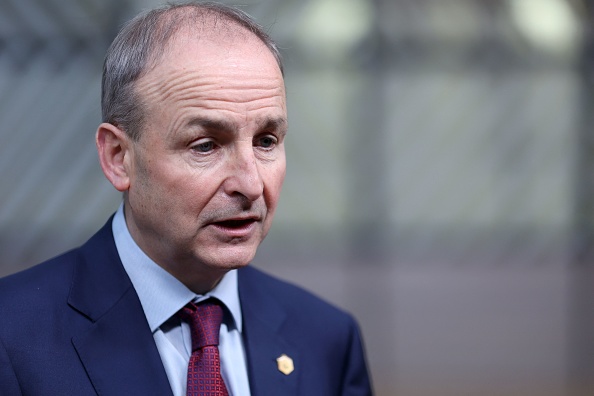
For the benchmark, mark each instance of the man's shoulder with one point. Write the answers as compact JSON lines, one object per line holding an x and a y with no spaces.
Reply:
{"x":294,"y":299}
{"x":34,"y":327}
{"x":29,"y":298}
{"x":40,"y":276}
{"x":51,"y":278}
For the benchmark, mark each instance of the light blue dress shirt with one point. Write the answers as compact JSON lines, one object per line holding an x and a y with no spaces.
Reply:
{"x":162,"y":295}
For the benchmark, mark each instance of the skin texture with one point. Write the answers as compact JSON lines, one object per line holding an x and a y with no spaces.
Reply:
{"x":203,"y":181}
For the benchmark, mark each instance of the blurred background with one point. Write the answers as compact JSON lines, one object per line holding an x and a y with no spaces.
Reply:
{"x":440,"y":177}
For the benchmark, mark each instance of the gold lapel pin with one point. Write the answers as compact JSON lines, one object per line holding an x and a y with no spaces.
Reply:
{"x":285,"y":364}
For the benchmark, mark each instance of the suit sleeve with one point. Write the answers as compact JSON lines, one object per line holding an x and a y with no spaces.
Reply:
{"x":356,"y":380}
{"x":9,"y":384}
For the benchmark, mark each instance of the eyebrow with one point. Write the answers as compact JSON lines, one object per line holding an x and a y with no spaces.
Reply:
{"x":211,"y":124}
{"x":276,"y":124}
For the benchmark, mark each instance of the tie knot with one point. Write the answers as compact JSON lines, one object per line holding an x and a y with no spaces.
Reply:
{"x":205,"y":322}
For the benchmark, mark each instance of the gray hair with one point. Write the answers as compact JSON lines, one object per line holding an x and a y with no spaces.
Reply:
{"x":140,"y":44}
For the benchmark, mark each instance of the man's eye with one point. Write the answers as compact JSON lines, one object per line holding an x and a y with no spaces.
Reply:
{"x":203,"y":147}
{"x":266,"y":142}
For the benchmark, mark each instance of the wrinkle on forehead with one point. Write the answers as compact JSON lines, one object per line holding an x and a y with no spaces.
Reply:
{"x":192,"y":68}
{"x":180,"y":84}
{"x":235,"y":80}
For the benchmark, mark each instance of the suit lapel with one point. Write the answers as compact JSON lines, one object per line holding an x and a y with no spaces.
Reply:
{"x":263,"y":319}
{"x":118,"y":350}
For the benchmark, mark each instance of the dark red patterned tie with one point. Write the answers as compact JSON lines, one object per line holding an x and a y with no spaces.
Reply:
{"x":204,"y":369}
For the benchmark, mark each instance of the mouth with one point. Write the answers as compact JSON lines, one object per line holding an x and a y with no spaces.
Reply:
{"x":235,"y":223}
{"x":239,"y":227}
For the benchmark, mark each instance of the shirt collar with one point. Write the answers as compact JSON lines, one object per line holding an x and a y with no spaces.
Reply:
{"x":148,"y":277}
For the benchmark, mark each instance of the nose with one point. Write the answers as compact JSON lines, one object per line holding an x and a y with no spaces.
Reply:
{"x":244,"y":177}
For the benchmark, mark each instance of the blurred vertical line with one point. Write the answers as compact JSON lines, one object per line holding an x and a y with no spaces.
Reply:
{"x":580,"y":335}
{"x":368,"y":163}
{"x":50,"y":53}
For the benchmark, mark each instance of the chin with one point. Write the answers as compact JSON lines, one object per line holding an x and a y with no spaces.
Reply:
{"x":233,"y":259}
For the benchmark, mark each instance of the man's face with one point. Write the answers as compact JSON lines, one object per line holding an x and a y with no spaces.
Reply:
{"x":207,"y":171}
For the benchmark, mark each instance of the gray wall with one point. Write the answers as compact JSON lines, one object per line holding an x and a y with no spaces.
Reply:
{"x":438,"y":183}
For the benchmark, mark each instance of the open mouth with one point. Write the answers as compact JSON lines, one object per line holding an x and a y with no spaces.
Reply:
{"x":235,"y":223}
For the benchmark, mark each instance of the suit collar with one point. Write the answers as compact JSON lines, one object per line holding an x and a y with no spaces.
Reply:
{"x":264,"y":342}
{"x":147,"y":276}
{"x":99,"y":280}
{"x":118,"y":337}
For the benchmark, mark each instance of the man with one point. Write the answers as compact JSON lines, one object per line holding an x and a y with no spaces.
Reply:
{"x":193,"y":135}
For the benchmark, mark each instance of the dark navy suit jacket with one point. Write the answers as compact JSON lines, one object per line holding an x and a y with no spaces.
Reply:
{"x":74,"y":326}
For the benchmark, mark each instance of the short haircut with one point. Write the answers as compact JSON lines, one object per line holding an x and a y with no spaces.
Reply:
{"x":141,"y":42}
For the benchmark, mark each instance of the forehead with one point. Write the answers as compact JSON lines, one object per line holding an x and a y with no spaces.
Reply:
{"x":224,"y":58}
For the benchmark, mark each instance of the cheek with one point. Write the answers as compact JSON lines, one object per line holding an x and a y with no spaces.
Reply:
{"x":160,"y":194}
{"x":195,"y":190}
{"x":275,"y":183}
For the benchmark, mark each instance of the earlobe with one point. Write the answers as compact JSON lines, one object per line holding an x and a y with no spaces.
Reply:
{"x":112,"y":147}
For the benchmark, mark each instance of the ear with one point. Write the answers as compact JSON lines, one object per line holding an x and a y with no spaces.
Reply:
{"x":113,"y":145}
